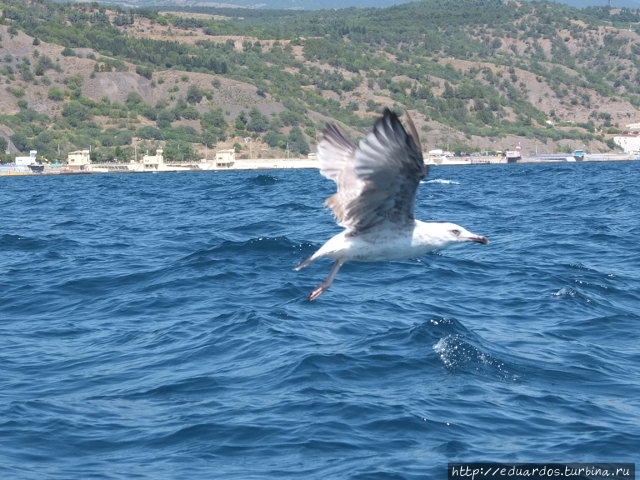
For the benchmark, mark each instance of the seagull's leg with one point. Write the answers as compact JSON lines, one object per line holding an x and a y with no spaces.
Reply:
{"x":324,"y":286}
{"x":306,"y":262}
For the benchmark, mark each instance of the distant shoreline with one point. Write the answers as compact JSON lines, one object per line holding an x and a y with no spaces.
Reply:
{"x":299,"y":164}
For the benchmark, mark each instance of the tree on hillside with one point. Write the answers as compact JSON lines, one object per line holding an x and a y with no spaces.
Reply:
{"x":150,"y":133}
{"x":165,"y":117}
{"x":21,"y":141}
{"x":56,"y":93}
{"x":214,"y":127}
{"x":257,"y":121}
{"x":241,"y":121}
{"x":275,"y":139}
{"x":76,"y":113}
{"x":45,"y":142}
{"x":194,"y":94}
{"x":179,"y":151}
{"x":297,"y":142}
{"x":146,"y":72}
{"x":133,"y":100}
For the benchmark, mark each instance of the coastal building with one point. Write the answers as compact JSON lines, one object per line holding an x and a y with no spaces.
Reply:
{"x":438,"y":156}
{"x":25,"y":161}
{"x":513,"y":156}
{"x":79,"y":158}
{"x":225,"y":158}
{"x":630,"y":143}
{"x":153,"y":162}
{"x":435,"y":156}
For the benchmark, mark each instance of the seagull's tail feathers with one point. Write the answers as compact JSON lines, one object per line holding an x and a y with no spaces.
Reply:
{"x":307,"y":262}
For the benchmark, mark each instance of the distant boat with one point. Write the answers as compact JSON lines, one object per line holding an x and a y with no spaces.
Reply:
{"x":579,"y":155}
{"x":36,"y":167}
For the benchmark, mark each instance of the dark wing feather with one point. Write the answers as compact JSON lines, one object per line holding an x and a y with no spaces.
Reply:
{"x":377,"y":180}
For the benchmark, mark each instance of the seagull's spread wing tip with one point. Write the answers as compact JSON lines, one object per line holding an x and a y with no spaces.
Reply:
{"x":377,"y":180}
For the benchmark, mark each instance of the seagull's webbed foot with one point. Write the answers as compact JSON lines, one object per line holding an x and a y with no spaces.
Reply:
{"x":324,"y":286}
{"x":320,"y":289}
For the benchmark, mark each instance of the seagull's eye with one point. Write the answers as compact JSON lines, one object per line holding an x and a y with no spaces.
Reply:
{"x":456,"y":232}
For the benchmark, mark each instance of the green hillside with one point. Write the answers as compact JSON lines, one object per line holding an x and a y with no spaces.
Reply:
{"x":475,"y":75}
{"x":326,"y":4}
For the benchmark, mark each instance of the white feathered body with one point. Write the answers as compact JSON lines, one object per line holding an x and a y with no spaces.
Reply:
{"x":386,"y":242}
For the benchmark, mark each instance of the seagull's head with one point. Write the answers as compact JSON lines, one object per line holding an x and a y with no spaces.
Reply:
{"x":455,"y":233}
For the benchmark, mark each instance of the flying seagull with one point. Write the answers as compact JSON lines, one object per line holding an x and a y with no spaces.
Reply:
{"x":377,"y":182}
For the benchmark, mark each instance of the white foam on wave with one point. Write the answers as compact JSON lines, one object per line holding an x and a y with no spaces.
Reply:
{"x":456,"y":353}
{"x":441,"y":349}
{"x":443,"y":181}
{"x":564,"y":292}
{"x":570,"y":292}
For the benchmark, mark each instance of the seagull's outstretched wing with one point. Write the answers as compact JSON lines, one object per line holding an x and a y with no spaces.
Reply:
{"x":377,"y":180}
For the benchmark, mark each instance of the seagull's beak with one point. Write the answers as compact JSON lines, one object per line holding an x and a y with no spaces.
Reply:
{"x":478,"y":239}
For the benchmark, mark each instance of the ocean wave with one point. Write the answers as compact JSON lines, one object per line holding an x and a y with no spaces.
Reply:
{"x":264,"y":180}
{"x":171,"y":338}
{"x":296,"y":207}
{"x":567,"y":292}
{"x":253,"y":246}
{"x":19,"y":242}
{"x":442,"y":181}
{"x":461,"y":356}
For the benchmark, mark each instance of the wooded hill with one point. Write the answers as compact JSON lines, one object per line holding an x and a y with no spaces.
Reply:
{"x":326,"y":4}
{"x":475,"y":75}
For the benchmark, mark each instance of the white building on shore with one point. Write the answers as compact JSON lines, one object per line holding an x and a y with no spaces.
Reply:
{"x":225,"y":158}
{"x":24,"y":161}
{"x":154,"y":162}
{"x":79,"y":158}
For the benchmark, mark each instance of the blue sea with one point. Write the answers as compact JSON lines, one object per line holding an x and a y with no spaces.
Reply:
{"x":152,"y":327}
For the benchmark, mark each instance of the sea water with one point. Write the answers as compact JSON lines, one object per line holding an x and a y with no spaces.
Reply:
{"x":152,"y":327}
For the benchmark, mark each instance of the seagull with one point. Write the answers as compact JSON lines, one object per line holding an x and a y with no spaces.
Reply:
{"x":377,"y":182}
